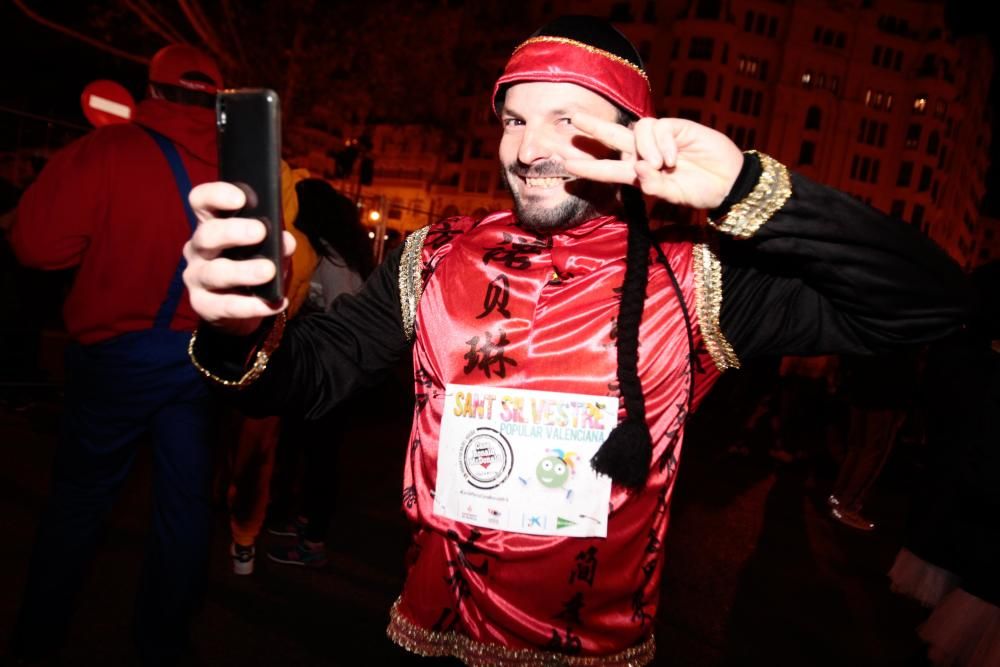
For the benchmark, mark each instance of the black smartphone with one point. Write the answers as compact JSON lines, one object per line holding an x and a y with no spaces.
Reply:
{"x":249,"y":138}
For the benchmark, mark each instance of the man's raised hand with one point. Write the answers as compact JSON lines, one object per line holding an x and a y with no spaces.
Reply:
{"x":214,"y":281}
{"x":674,"y":159}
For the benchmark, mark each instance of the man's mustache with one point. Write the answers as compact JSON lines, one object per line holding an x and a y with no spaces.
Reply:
{"x":538,"y":170}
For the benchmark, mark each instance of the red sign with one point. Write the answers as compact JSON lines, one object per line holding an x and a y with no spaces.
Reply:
{"x":106,"y":102}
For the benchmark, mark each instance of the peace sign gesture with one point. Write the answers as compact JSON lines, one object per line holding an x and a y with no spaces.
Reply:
{"x":677,"y":160}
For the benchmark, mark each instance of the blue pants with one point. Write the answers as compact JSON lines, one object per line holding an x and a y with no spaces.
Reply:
{"x":117,"y":391}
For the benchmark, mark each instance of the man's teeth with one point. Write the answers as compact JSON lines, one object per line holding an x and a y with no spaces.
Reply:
{"x":549,"y":182}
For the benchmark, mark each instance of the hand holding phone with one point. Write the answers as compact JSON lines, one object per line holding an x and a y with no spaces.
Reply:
{"x":249,"y":140}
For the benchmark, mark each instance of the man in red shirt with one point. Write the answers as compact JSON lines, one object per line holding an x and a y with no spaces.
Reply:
{"x":558,"y":348}
{"x":113,"y":205}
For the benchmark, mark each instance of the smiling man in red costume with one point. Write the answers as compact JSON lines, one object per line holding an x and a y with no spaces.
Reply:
{"x":558,"y":349}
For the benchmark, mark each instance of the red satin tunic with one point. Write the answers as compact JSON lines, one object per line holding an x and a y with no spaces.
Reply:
{"x":505,"y":307}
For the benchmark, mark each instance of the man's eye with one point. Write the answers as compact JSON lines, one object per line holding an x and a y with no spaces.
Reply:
{"x":565,"y":121}
{"x":512,"y":122}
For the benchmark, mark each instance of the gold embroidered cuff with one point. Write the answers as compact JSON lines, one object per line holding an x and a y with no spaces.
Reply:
{"x":410,"y":283}
{"x":488,"y":654}
{"x":771,"y":192}
{"x":263,"y":355}
{"x":708,"y":303}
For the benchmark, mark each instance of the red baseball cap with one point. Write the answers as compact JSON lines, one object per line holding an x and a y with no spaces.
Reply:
{"x":185,"y":66}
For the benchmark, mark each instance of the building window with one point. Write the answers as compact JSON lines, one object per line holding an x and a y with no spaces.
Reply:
{"x":695,"y":84}
{"x":925,"y":179}
{"x":708,"y":9}
{"x":772,"y":27}
{"x":861,"y":130}
{"x":940,"y":109}
{"x":871,"y":136}
{"x":933,"y":143}
{"x":645,"y":49}
{"x":701,"y":48}
{"x":878,"y":99}
{"x":918,"y":215}
{"x":841,"y":40}
{"x":920,"y":104}
{"x":621,"y":12}
{"x":739,"y":136}
{"x":807,"y":79}
{"x":898,"y":209}
{"x":905,"y":175}
{"x":748,"y":22}
{"x":876,"y":54}
{"x":807,"y":152}
{"x":912,"y":136}
{"x":854,"y":167}
{"x":668,"y":89}
{"x":690,"y":114}
{"x":813,"y":118}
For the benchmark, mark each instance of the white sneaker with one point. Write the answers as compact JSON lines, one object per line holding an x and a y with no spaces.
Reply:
{"x":242,"y":558}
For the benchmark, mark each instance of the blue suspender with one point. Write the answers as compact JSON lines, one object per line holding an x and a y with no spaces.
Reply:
{"x":169,"y":306}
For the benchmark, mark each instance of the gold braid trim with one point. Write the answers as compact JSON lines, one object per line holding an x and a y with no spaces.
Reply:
{"x":771,"y":192}
{"x":260,"y":360}
{"x":410,"y":283}
{"x":586,"y":47}
{"x":487,"y":654}
{"x":708,"y":300}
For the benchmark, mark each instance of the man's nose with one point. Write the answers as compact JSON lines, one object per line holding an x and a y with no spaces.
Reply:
{"x":536,"y":144}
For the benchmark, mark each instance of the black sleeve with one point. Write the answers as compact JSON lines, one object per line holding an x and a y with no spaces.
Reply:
{"x":828,"y":274}
{"x":323,"y":357}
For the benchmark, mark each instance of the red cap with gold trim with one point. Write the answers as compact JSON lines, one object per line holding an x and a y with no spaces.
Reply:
{"x":584,"y":50}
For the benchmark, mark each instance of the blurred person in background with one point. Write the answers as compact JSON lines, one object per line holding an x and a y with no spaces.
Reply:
{"x":950,"y":560}
{"x":332,"y":224}
{"x":113,"y":205}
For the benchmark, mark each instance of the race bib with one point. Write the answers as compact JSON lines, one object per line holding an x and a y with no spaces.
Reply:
{"x":519,"y":460}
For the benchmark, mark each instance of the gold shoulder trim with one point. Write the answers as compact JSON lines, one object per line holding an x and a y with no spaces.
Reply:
{"x":708,"y":303}
{"x":410,"y":283}
{"x":487,"y":654}
{"x":260,"y":360}
{"x":771,"y":192}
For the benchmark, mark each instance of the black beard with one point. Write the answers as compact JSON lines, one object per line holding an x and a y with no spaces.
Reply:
{"x":587,"y":200}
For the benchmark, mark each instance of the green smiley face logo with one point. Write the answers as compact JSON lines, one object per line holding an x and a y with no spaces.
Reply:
{"x":552,"y":472}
